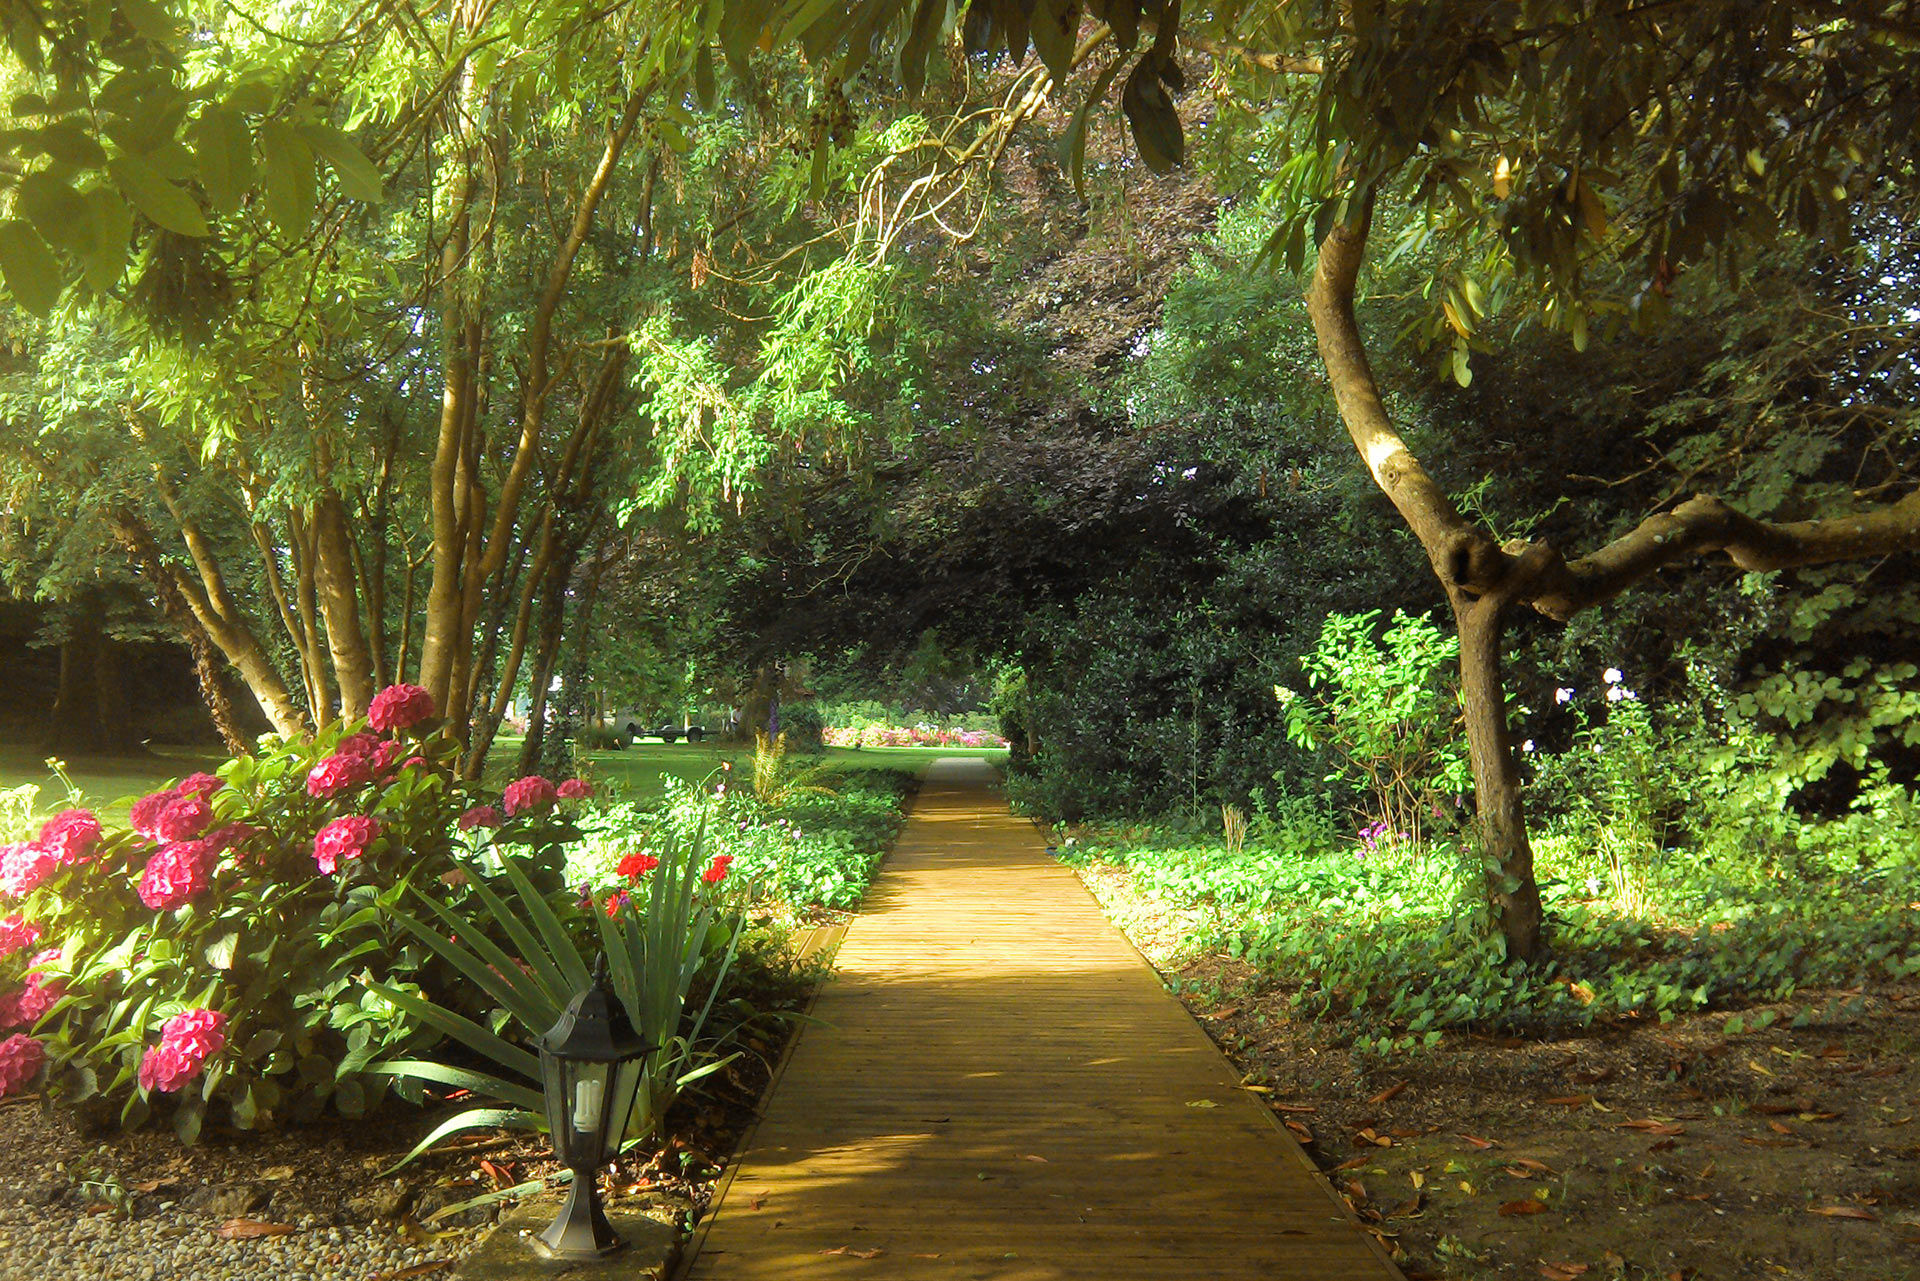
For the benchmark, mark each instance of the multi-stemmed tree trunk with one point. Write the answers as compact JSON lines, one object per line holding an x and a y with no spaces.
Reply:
{"x":1485,"y":581}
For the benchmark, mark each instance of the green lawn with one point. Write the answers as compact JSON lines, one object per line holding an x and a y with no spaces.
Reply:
{"x":636,"y":772}
{"x":102,"y":780}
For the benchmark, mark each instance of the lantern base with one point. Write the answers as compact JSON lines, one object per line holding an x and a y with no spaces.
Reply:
{"x":580,"y":1230}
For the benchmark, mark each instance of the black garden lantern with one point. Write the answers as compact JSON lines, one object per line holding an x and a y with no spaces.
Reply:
{"x":592,"y":1060}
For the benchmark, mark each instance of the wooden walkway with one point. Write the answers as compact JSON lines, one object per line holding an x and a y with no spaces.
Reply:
{"x":1001,"y":1088}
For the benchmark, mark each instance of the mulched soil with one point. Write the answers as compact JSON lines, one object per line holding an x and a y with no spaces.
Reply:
{"x":1676,"y":1152}
{"x":331,"y":1172}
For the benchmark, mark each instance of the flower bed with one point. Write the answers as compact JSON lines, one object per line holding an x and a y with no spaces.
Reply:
{"x":211,"y":957}
{"x":908,"y":736}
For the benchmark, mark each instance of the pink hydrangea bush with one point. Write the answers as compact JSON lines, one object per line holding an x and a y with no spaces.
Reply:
{"x":198,"y":925}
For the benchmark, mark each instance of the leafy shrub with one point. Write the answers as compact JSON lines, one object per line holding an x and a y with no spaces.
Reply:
{"x":801,"y":727}
{"x":247,"y":904}
{"x":1387,"y":710}
{"x":668,"y":925}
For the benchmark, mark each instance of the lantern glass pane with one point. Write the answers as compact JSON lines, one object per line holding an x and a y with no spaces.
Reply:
{"x":626,"y":1086}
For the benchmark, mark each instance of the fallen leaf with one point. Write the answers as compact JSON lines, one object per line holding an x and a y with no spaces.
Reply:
{"x":417,"y":1270}
{"x":1203,"y":1103}
{"x":1293,"y":1107}
{"x":1564,"y":1271}
{"x":1528,"y":1163}
{"x":1258,"y":1089}
{"x":1300,"y":1131}
{"x":1529,"y":1206}
{"x":1706,"y":1171}
{"x":1407,"y":1208}
{"x":1651,"y":1126}
{"x":1419,"y":1180}
{"x":1779,"y":1127}
{"x":1482,"y":1144}
{"x":245,"y":1229}
{"x":1352,"y":1163}
{"x":874,"y":1253}
{"x":148,"y":1185}
{"x":756,"y":1203}
{"x":1224,"y":1012}
{"x":1570,"y":1100}
{"x":1664,"y":1145}
{"x":277,"y":1173}
{"x":1844,"y":1212}
{"x":1389,"y":1094}
{"x":1519,"y":1172}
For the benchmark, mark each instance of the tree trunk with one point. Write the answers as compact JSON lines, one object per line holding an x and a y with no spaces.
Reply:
{"x":73,"y":724}
{"x":1507,"y":856}
{"x":340,"y":602}
{"x":1480,"y":580}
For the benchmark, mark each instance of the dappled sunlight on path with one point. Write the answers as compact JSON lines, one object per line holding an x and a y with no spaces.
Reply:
{"x":1000,"y":1088}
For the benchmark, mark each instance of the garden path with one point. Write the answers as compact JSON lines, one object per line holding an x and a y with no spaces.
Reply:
{"x":999,"y":1087}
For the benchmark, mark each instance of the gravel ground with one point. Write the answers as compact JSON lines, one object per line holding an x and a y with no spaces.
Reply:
{"x":182,"y":1245}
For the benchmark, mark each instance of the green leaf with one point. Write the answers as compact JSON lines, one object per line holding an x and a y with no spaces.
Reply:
{"x":1074,"y":143}
{"x":465,"y":1031}
{"x":68,"y":142}
{"x":705,"y":91}
{"x":1156,"y":125}
{"x":913,"y":54}
{"x":223,"y":149}
{"x":27,"y":262}
{"x":359,"y":180}
{"x":471,"y":1119}
{"x":291,"y":189}
{"x":559,"y":942}
{"x":165,"y":204}
{"x":461,"y":1078}
{"x":1056,"y":28}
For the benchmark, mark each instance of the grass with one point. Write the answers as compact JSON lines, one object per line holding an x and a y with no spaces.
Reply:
{"x":109,"y":783}
{"x":638,"y":772}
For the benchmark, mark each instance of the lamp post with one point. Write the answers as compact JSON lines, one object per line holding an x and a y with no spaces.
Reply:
{"x":592,"y":1060}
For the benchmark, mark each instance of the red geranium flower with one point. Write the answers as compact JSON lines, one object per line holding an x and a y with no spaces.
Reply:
{"x":717,"y":870}
{"x":636,"y":865}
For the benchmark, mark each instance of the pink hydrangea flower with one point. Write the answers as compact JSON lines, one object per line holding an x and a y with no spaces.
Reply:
{"x":531,"y":792}
{"x":361,"y":744}
{"x":70,"y":836}
{"x":338,"y":773}
{"x":166,"y":1067}
{"x":386,"y":757}
{"x":479,"y":816}
{"x":20,"y":1060}
{"x":178,"y":872}
{"x":17,"y":934}
{"x":183,"y":820}
{"x":200,"y":785}
{"x":144,"y":818}
{"x":575,"y":789}
{"x":400,"y":707}
{"x":26,"y":1006}
{"x":343,"y":839}
{"x":23,"y":867}
{"x":202,"y":1033}
{"x":414,"y":762}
